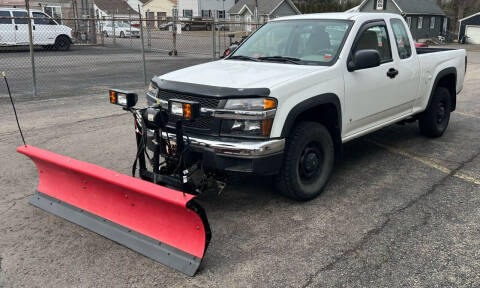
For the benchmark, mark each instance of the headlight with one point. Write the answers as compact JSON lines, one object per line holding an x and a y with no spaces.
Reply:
{"x":250,"y":104}
{"x":250,"y":117}
{"x":152,"y":89}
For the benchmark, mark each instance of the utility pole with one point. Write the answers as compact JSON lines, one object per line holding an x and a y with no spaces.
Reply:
{"x":256,"y":12}
{"x":32,"y":51}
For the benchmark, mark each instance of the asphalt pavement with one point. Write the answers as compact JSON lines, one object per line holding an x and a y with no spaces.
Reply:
{"x":401,"y":210}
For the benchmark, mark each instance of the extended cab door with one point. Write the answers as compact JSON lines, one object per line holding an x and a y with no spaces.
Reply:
{"x":21,"y":27}
{"x":375,"y":95}
{"x":7,"y":30}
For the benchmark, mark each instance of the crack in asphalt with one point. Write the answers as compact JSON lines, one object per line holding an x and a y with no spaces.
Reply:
{"x":10,"y":133}
{"x":375,"y":231}
{"x":17,"y":199}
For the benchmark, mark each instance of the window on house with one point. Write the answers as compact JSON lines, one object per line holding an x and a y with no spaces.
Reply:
{"x":420,"y":23}
{"x":409,"y":22}
{"x":161,"y":17}
{"x":54,"y":11}
{"x":379,"y":4}
{"x":150,"y":16}
{"x":432,"y":23}
{"x":206,"y":14}
{"x":187,"y":13}
{"x":220,"y":14}
{"x":401,"y":38}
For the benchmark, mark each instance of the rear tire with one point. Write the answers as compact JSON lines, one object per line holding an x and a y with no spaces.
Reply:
{"x":434,"y":121}
{"x":187,"y":28}
{"x":62,"y":43}
{"x":308,"y":162}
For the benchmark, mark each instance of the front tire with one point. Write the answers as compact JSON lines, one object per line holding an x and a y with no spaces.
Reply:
{"x":62,"y":43}
{"x":122,"y":35}
{"x":308,"y":162}
{"x":434,"y":121}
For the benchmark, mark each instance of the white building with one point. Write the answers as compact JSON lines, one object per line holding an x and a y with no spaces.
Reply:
{"x":204,"y":8}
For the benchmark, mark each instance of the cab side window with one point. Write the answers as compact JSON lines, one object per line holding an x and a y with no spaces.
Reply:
{"x":375,"y":38}
{"x":401,"y":39}
{"x":22,"y":15}
{"x":5,"y":20}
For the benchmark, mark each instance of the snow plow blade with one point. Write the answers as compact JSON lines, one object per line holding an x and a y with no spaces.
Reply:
{"x":161,"y":223}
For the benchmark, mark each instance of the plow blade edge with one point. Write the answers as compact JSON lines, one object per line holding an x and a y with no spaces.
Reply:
{"x":160,"y":223}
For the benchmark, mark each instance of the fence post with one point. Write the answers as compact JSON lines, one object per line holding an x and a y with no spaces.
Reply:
{"x":149,"y":35}
{"x":130,"y":24}
{"x":214,"y":54}
{"x":30,"y":40}
{"x":113,"y":28}
{"x":143,"y":46}
{"x":174,"y":32}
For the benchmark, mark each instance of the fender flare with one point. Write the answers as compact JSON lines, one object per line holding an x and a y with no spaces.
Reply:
{"x":327,"y":98}
{"x":441,"y":74}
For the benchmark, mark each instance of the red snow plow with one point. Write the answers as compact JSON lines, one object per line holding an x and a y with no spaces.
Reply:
{"x":156,"y":215}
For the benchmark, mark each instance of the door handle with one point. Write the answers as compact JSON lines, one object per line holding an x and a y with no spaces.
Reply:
{"x":33,"y":26}
{"x":16,"y":27}
{"x":392,"y":72}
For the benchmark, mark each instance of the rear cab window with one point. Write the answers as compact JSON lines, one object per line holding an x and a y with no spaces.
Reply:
{"x":4,"y":20}
{"x":401,"y":39}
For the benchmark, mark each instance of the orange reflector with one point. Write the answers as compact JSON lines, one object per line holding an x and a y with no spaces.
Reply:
{"x":187,"y":111}
{"x":269,"y":104}
{"x":266,"y":126}
{"x":113,"y":97}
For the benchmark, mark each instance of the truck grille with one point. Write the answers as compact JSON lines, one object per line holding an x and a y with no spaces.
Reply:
{"x":204,"y":101}
{"x":207,"y":125}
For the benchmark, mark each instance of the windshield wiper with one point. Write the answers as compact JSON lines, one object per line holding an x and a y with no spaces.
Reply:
{"x":243,"y":57}
{"x":281,"y":59}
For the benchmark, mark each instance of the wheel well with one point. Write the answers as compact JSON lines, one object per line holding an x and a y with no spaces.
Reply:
{"x":449,"y":81}
{"x":326,"y":114}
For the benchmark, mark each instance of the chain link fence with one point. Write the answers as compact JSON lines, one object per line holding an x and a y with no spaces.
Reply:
{"x":43,"y":56}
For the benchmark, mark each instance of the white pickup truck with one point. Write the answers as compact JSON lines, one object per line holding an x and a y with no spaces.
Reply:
{"x":288,"y":97}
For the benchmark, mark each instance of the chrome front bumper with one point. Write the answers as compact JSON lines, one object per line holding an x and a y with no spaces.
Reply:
{"x":235,"y":147}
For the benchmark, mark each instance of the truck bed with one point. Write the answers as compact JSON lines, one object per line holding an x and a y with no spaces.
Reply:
{"x":426,"y":50}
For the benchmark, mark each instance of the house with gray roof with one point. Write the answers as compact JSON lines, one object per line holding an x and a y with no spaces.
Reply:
{"x":244,"y":10}
{"x":424,"y":17}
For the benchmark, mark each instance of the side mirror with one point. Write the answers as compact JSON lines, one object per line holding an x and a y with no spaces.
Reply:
{"x":123,"y":98}
{"x":364,"y":59}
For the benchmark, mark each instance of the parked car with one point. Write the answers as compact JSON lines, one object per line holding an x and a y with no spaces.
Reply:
{"x":292,"y":93}
{"x":197,"y":24}
{"x":47,"y":32}
{"x":165,"y":26}
{"x":121,"y":30}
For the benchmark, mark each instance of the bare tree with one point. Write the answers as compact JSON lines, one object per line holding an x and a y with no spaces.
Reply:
{"x":462,"y":8}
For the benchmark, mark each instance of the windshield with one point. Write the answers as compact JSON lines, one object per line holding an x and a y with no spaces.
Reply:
{"x":315,"y":42}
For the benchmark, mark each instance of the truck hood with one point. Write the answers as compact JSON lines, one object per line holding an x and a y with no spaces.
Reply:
{"x":240,"y":74}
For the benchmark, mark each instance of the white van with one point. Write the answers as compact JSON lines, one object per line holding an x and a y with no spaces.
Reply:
{"x":46,"y":31}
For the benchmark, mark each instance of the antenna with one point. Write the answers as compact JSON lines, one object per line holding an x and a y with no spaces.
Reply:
{"x":13,"y":105}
